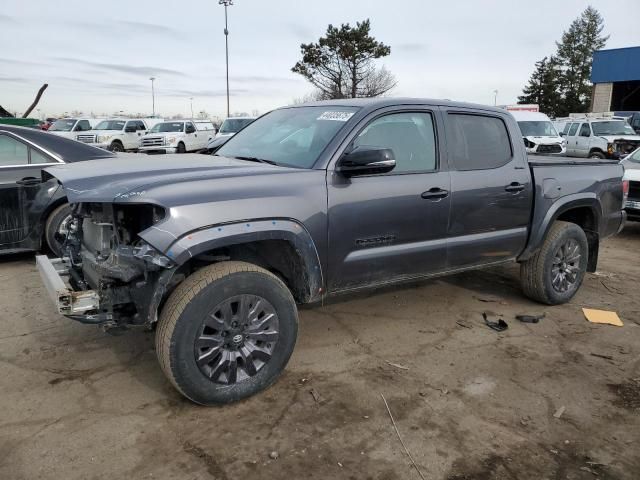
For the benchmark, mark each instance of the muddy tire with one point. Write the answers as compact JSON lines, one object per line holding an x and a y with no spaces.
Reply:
{"x":226,"y":332}
{"x":554,"y":273}
{"x":54,"y":228}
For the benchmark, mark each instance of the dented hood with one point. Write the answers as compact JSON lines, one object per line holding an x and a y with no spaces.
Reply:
{"x":127,"y":177}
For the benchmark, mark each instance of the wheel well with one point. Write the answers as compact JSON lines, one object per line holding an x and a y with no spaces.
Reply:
{"x":596,"y":149}
{"x":586,"y":219}
{"x":278,"y":256}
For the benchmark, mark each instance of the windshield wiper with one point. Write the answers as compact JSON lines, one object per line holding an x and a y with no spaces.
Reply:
{"x":256,"y":159}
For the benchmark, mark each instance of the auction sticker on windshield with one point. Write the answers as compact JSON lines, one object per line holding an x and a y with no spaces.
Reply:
{"x":337,"y":116}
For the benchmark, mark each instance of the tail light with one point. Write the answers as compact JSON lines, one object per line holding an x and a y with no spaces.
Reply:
{"x":625,"y":191}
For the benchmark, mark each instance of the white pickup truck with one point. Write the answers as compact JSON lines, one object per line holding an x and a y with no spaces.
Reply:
{"x":178,"y":136}
{"x":72,"y":127}
{"x":118,"y":134}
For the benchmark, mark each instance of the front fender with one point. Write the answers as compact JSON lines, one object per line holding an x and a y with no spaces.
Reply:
{"x":192,"y":244}
{"x":539,"y":228}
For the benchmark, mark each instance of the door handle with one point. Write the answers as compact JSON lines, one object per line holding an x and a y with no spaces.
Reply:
{"x":514,"y":187}
{"x":29,"y":181}
{"x":435,"y":193}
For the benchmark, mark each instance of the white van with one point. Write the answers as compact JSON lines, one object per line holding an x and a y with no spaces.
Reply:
{"x":71,"y":127}
{"x":539,"y":134}
{"x":233,"y":125}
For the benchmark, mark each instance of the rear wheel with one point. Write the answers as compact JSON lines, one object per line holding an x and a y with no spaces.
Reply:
{"x":596,"y":155}
{"x":55,"y":229}
{"x":554,"y":273}
{"x":226,"y":332}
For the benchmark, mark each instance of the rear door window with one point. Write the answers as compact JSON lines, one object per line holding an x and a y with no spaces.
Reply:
{"x":13,"y":152}
{"x":478,"y":142}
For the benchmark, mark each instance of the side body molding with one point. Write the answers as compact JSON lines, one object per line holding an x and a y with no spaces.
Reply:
{"x":223,"y":235}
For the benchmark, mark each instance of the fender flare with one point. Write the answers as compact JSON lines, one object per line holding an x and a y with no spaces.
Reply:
{"x":223,"y":235}
{"x":563,"y":205}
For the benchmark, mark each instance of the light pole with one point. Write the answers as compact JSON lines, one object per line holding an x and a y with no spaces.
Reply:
{"x":191,"y":100}
{"x":153,"y":97}
{"x":226,"y":3}
{"x":495,"y":98}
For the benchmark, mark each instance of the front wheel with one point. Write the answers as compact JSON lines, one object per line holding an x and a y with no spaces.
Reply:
{"x":116,"y":147}
{"x":55,"y":228}
{"x":226,"y":332}
{"x":181,"y":148}
{"x":554,"y":273}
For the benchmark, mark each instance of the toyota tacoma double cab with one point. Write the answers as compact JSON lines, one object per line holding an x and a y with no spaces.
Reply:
{"x":308,"y":202}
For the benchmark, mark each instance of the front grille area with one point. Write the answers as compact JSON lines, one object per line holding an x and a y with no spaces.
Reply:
{"x":152,"y":141}
{"x":87,"y":138}
{"x":634,"y":191}
{"x":549,"y":149}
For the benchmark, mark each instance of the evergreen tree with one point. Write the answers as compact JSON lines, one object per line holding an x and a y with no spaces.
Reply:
{"x":342,"y":63}
{"x":543,"y":87}
{"x":560,"y":84}
{"x":575,"y":54}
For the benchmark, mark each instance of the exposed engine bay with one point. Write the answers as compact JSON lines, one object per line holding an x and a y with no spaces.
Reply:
{"x":623,"y":146}
{"x":104,"y":254}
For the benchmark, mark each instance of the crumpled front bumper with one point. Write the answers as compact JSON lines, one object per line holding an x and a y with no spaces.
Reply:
{"x":68,"y":301}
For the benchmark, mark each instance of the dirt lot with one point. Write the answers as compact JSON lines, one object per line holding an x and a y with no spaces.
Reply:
{"x":470,"y":403}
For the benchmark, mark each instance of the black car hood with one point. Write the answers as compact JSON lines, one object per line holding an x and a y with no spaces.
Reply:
{"x":127,"y":177}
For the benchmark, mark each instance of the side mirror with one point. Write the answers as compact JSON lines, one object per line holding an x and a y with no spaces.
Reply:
{"x":562,"y":134}
{"x":130,"y":129}
{"x":190,"y":130}
{"x":366,"y":160}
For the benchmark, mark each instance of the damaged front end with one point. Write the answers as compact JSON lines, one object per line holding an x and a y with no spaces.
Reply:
{"x":621,"y":147}
{"x":108,"y":275}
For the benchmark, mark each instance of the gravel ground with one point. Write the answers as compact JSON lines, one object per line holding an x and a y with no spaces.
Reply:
{"x":469,"y":403}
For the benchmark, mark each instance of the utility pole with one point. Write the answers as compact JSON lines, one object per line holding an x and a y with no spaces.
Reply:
{"x":495,"y":98}
{"x":191,"y":100}
{"x":153,"y":97}
{"x":226,"y":3}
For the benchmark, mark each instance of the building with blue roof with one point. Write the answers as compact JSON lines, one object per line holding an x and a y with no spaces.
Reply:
{"x":615,"y":75}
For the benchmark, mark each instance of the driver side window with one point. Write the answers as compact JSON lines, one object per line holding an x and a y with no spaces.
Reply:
{"x":410,"y":135}
{"x":585,"y":131}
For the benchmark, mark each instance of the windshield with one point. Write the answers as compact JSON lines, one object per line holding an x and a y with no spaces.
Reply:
{"x":635,"y":156}
{"x":64,"y":125}
{"x":614,"y":127}
{"x":167,"y":127}
{"x":110,"y":125}
{"x":233,"y":125}
{"x":291,"y":136}
{"x":537,"y":129}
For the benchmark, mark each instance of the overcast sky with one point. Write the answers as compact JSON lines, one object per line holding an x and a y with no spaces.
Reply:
{"x":98,"y":56}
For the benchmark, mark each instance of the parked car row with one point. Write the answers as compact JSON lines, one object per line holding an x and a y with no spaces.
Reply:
{"x":149,"y":135}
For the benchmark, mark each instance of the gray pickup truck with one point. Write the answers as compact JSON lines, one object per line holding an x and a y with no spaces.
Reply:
{"x":313,"y":201}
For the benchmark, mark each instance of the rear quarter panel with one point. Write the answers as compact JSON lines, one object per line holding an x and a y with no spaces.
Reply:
{"x":561,"y":186}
